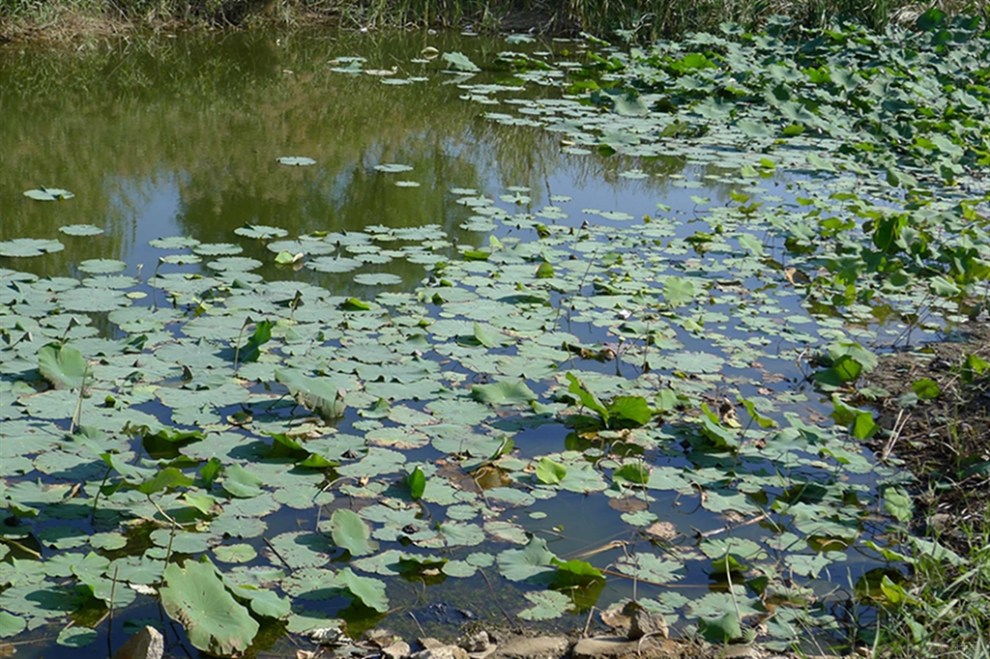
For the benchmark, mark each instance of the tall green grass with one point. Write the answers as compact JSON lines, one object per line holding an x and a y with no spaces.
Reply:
{"x":644,"y":18}
{"x":946,"y":613}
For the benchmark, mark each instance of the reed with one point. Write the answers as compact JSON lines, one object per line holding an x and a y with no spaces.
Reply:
{"x":643,"y":19}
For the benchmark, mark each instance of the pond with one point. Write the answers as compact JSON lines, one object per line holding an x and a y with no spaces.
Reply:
{"x":309,"y":331}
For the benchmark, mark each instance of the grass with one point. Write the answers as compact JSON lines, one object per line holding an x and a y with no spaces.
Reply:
{"x":642,"y":18}
{"x":944,"y":442}
{"x":947,"y":612}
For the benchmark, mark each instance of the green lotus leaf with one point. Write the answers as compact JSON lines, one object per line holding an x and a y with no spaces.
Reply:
{"x":195,"y":596}
{"x":351,"y":532}
{"x":897,"y":503}
{"x":76,"y":637}
{"x":416,"y":482}
{"x":634,"y":473}
{"x":102,"y":266}
{"x":926,"y":388}
{"x":370,"y":591}
{"x":62,"y":365}
{"x":237,"y":553}
{"x":217,"y":249}
{"x":378,"y":279}
{"x":263,"y":602}
{"x":586,"y":397}
{"x":261,"y":232}
{"x":650,"y":567}
{"x":545,"y":605}
{"x":251,"y":350}
{"x":460,"y":62}
{"x":80,"y":230}
{"x":26,"y":247}
{"x":11,"y":625}
{"x":505,"y":392}
{"x":242,"y":483}
{"x":519,"y":564}
{"x":549,"y":472}
{"x":629,"y":412}
{"x":325,"y":396}
{"x":575,"y":572}
{"x":722,"y":629}
{"x":92,"y":300}
{"x":166,"y":479}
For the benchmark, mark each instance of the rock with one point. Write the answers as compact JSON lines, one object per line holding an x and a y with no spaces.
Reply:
{"x":381,"y":637}
{"x":480,"y":645}
{"x":618,"y":617}
{"x":743,"y":651}
{"x":602,"y":647}
{"x":437,"y":650}
{"x":643,"y":623}
{"x":396,"y":650}
{"x":146,"y":643}
{"x":537,"y":647}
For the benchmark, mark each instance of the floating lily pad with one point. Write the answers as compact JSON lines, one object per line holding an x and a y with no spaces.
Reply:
{"x":393,"y":168}
{"x":81,"y":230}
{"x":295,"y":161}
{"x":48,"y":194}
{"x":102,"y":266}
{"x":261,"y":232}
{"x":25,"y":247}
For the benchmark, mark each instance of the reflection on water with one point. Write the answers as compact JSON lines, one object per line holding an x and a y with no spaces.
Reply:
{"x":180,"y":136}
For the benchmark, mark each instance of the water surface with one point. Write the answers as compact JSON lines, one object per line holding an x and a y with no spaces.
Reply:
{"x":179,"y":136}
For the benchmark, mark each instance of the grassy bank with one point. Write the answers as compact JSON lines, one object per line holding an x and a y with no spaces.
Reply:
{"x":69,"y":18}
{"x":943,"y":610}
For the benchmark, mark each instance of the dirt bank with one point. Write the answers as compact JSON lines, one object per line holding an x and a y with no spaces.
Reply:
{"x":935,"y":402}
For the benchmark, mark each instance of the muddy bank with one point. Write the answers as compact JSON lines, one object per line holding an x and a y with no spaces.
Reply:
{"x":934,"y":401}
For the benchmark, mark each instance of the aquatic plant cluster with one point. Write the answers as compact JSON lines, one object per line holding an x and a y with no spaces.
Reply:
{"x":265,"y":455}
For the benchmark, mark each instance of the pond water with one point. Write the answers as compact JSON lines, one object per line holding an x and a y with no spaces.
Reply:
{"x":435,"y":273}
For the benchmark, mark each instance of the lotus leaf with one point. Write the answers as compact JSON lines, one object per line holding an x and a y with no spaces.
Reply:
{"x":80,"y":230}
{"x":195,"y":596}
{"x":503,"y":393}
{"x":545,"y":605}
{"x":351,"y":532}
{"x":48,"y":194}
{"x":295,"y":161}
{"x":62,"y":365}
{"x":460,"y":62}
{"x":25,"y":247}
{"x":370,"y":591}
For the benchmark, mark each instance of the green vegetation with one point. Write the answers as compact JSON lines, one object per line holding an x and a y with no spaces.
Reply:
{"x":266,"y":449}
{"x":642,"y":18}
